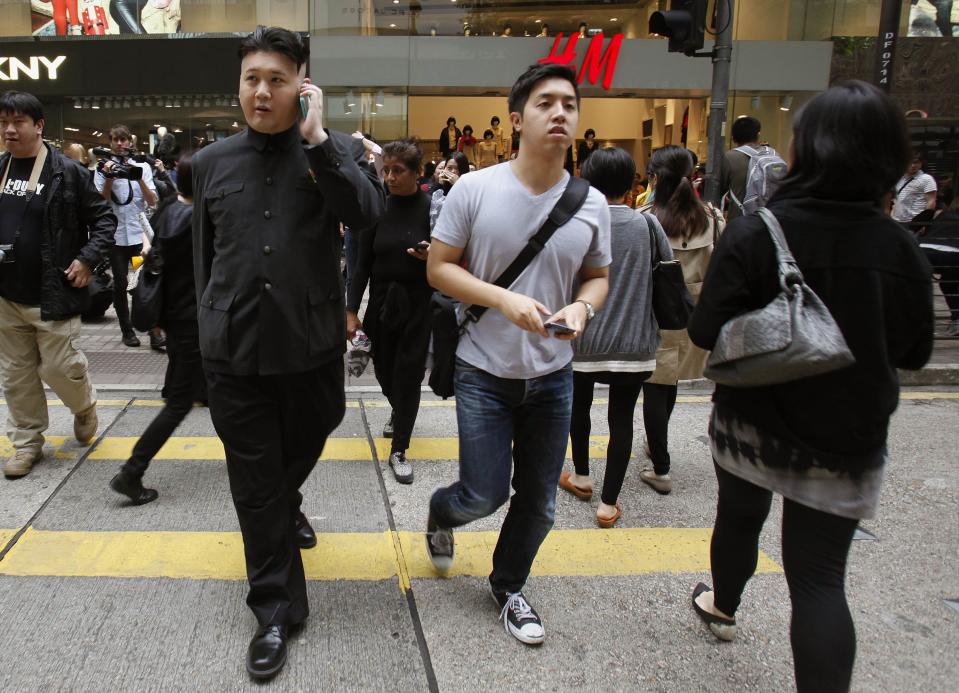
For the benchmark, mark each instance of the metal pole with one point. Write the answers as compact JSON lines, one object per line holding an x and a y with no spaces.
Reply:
{"x":722,"y":56}
{"x":886,"y":45}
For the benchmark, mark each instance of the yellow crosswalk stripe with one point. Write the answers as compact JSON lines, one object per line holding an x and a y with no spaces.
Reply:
{"x":63,"y":447}
{"x":355,"y":556}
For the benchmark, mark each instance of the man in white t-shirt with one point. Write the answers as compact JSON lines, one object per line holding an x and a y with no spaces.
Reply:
{"x":513,"y":379}
{"x":915,"y":192}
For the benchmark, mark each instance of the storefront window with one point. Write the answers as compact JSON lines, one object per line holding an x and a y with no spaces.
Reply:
{"x":774,"y":111}
{"x":107,"y":17}
{"x":805,"y":20}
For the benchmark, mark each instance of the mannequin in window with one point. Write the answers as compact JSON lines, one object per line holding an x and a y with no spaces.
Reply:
{"x":467,"y":30}
{"x":586,"y":147}
{"x":467,"y":143}
{"x":486,"y":151}
{"x":500,"y":138}
{"x":583,"y":29}
{"x":432,"y":31}
{"x":450,"y":138}
{"x":543,"y":31}
{"x":507,"y":31}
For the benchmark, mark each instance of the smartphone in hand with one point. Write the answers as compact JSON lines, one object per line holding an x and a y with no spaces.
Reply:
{"x":304,"y":107}
{"x":559,"y":329}
{"x":423,"y":246}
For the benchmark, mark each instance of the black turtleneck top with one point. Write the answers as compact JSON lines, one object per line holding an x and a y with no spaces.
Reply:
{"x":383,"y":257}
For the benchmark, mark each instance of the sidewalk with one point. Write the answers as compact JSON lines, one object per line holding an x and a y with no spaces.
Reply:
{"x":134,"y":368}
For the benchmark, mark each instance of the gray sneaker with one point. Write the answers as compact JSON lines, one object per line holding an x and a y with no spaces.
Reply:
{"x":439,"y":545}
{"x":661,"y":483}
{"x":21,"y":462}
{"x":402,"y":469}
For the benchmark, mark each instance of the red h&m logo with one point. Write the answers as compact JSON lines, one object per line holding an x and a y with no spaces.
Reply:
{"x":595,"y":63}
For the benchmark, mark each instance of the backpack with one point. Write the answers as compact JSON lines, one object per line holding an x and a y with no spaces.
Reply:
{"x":766,"y":170}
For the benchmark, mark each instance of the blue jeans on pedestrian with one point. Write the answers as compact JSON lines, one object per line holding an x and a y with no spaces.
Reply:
{"x":515,"y":429}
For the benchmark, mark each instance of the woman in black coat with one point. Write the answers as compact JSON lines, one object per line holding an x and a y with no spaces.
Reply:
{"x":820,"y":442}
{"x":173,"y":242}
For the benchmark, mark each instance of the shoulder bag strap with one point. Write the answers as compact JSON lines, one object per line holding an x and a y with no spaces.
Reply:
{"x":568,"y":204}
{"x":788,"y":269}
{"x":903,"y":187}
{"x":653,"y":245}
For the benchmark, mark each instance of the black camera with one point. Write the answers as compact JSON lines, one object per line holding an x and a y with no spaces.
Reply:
{"x":123,"y":163}
{"x":7,"y":253}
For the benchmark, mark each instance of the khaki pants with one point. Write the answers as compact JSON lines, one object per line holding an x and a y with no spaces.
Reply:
{"x":31,"y":349}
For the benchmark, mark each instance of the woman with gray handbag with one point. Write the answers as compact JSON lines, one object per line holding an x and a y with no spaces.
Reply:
{"x":803,"y":401}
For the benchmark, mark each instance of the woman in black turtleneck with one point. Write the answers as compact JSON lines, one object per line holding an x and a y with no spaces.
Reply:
{"x":397,"y":315}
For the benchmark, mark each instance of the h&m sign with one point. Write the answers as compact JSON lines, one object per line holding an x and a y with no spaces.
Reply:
{"x":596,"y":64}
{"x":35,"y":67}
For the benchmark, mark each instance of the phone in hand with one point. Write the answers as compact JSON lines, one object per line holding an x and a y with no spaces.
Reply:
{"x":304,"y":107}
{"x":423,"y":246}
{"x":559,"y":329}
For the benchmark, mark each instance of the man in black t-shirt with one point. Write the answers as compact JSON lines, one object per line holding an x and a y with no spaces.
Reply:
{"x":53,"y":228}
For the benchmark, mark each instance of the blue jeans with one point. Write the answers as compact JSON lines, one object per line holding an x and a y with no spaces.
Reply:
{"x":505,"y":425}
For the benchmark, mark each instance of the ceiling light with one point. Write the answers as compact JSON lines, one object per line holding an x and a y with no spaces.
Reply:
{"x":169,"y":103}
{"x":206,"y":102}
{"x":177,"y":130}
{"x":392,"y":26}
{"x":126,"y":103}
{"x":539,"y":21}
{"x":148,"y":102}
{"x":234,"y":102}
{"x":157,"y":125}
{"x":137,"y":102}
{"x":95,"y":105}
{"x":350,"y":99}
{"x":177,"y":103}
{"x":614,"y":19}
{"x":755,"y":103}
{"x":72,"y":129}
{"x":76,"y":104}
{"x":380,"y":98}
{"x":396,"y":2}
{"x":234,"y":124}
{"x":786,"y":102}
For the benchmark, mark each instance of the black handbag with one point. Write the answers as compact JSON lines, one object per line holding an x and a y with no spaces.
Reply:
{"x":147,"y":304}
{"x":672,"y":304}
{"x":447,"y":329}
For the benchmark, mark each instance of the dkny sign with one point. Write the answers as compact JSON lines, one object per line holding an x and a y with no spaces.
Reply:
{"x":35,"y":68}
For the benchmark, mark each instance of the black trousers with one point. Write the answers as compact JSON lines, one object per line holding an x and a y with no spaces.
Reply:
{"x":815,"y":546}
{"x":399,"y":357}
{"x":120,"y":256}
{"x":184,"y":374}
{"x":946,"y":265}
{"x":624,"y":389}
{"x":273,"y":428}
{"x":658,"y":403}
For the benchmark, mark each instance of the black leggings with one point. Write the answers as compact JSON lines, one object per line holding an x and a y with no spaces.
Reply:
{"x":815,"y":546}
{"x":120,"y":256}
{"x":184,"y":384}
{"x":658,"y":403}
{"x":126,"y":13}
{"x":624,"y":389}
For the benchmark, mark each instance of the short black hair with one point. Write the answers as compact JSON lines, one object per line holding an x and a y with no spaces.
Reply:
{"x":519,"y":94}
{"x":21,"y":103}
{"x":467,"y":127}
{"x":408,"y":151}
{"x":746,"y":130}
{"x":835,"y":152}
{"x":589,"y":132}
{"x":273,"y":39}
{"x":450,"y":121}
{"x":429,"y":168}
{"x":184,"y":174}
{"x":610,"y":170}
{"x":916,"y":156}
{"x":494,"y":120}
{"x":487,"y":133}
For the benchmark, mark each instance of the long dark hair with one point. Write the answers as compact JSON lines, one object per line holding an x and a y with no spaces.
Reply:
{"x":849,"y":143}
{"x":675,"y":202}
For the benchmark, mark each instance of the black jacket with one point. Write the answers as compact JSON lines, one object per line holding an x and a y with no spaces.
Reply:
{"x":876,"y":283}
{"x":266,"y":247}
{"x":77,"y":223}
{"x":173,"y":237}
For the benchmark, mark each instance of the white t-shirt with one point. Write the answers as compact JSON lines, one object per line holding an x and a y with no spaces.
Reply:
{"x":911,"y":198}
{"x":129,"y":232}
{"x":492,"y":216}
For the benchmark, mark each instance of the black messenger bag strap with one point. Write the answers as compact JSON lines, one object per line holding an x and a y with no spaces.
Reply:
{"x":566,"y":207}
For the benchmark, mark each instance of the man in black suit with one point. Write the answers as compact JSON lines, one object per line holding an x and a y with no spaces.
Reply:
{"x":267,"y":207}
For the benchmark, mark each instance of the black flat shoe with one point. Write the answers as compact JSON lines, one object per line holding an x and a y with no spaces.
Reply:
{"x":131,"y":340}
{"x":267,"y":652}
{"x":158,"y":343}
{"x":305,"y":536}
{"x":132,"y":488}
{"x":722,"y":628}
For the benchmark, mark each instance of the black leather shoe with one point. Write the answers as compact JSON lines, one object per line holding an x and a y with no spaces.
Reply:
{"x":157,"y":343}
{"x":267,"y":652}
{"x":131,"y":340}
{"x":132,"y":488}
{"x":305,"y":536}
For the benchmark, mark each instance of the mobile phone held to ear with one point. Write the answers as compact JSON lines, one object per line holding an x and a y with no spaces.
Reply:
{"x":559,"y":329}
{"x":304,"y":107}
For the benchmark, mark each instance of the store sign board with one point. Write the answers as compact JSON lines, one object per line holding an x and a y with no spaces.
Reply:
{"x":596,"y":64}
{"x":35,"y":68}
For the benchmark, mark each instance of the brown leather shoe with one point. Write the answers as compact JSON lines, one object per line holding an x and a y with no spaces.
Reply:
{"x":21,"y":462}
{"x":85,"y":425}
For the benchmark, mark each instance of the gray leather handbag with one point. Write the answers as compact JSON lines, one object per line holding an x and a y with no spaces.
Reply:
{"x":792,"y":337}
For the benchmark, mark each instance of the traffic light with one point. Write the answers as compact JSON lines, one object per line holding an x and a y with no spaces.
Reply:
{"x":684,"y":24}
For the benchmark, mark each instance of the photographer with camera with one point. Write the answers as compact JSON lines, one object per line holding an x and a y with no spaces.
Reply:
{"x":53,"y":228}
{"x":125,"y":179}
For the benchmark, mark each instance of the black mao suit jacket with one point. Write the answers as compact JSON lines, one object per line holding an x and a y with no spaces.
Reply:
{"x":267,"y":248}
